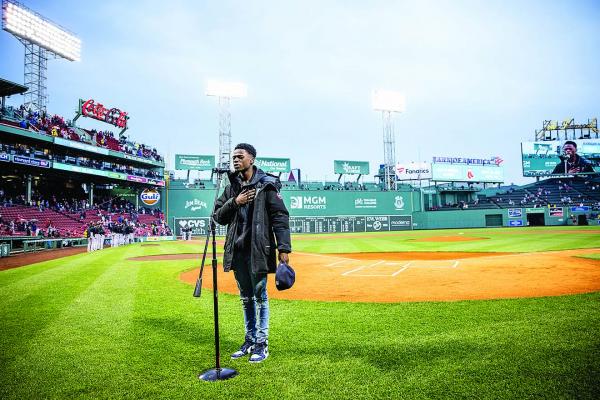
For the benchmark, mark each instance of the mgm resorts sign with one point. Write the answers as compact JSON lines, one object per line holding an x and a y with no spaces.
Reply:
{"x":308,"y":202}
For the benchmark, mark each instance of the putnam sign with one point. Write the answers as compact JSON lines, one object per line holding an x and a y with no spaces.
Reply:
{"x":194,"y":162}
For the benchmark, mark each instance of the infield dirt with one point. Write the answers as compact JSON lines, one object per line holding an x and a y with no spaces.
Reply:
{"x":436,"y":276}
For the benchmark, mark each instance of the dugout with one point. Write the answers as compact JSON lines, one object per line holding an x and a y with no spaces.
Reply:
{"x":536,"y":219}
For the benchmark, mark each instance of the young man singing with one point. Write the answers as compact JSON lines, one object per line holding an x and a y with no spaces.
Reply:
{"x":258,"y":228}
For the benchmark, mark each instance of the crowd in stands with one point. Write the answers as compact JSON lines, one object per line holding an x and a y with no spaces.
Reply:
{"x":125,"y":226}
{"x":554,"y":193}
{"x":46,"y":154}
{"x":549,"y":193}
{"x":331,"y":186}
{"x":71,"y":217}
{"x":26,"y":150}
{"x":56,"y":126}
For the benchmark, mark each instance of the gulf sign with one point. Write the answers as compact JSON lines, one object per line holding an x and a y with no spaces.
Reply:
{"x":150,"y":197}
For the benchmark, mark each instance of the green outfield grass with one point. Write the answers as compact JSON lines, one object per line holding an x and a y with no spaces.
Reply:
{"x":100,"y":326}
{"x":494,"y":240}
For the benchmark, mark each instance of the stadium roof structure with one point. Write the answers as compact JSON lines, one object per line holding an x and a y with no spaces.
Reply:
{"x":8,"y":88}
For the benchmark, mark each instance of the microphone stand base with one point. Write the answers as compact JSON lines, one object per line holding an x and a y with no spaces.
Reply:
{"x":217,"y":374}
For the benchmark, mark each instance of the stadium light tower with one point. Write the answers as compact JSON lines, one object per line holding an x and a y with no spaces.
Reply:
{"x":225,"y":91}
{"x":388,"y":102}
{"x":42,"y":39}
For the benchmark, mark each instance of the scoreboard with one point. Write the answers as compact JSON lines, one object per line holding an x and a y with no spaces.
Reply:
{"x":334,"y":224}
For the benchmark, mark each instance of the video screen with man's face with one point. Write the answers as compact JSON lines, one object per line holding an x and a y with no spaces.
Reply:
{"x":557,"y":158}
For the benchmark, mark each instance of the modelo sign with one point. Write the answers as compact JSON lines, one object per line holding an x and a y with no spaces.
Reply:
{"x":150,"y":197}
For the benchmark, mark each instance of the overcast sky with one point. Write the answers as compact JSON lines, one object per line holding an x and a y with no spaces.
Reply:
{"x":479,"y":76}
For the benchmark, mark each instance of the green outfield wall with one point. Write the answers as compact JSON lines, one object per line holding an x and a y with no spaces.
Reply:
{"x":331,"y":211}
{"x":513,"y":217}
{"x":314,"y":211}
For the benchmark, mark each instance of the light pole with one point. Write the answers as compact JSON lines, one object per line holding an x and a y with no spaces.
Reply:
{"x":225,"y":91}
{"x":388,"y":102}
{"x":43,"y":39}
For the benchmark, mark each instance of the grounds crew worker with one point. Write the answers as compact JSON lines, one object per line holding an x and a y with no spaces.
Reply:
{"x":258,"y":221}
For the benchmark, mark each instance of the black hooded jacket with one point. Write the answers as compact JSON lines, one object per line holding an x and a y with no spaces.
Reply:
{"x":270,"y":227}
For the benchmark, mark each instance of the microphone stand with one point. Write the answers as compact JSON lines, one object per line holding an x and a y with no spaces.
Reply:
{"x":217,"y":373}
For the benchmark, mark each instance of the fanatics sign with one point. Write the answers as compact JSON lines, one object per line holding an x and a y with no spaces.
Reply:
{"x":413,"y":171}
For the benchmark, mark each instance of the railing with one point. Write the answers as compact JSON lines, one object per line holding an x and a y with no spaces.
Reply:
{"x":15,"y":242}
{"x":51,"y":244}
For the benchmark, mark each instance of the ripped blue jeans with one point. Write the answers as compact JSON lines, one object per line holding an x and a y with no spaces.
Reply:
{"x":253,"y":295}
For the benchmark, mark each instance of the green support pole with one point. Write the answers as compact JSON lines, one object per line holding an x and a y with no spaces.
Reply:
{"x":91,"y":194}
{"x":28,"y":190}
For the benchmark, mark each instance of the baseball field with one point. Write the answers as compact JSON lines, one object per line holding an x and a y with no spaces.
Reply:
{"x":477,"y":313}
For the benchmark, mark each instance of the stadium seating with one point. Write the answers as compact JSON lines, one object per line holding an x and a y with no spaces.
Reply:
{"x":66,"y":226}
{"x":70,"y":224}
{"x":552,"y":192}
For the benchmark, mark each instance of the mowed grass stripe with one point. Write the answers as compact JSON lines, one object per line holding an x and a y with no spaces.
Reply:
{"x":42,"y":272}
{"x":494,"y":240}
{"x":87,"y":338}
{"x":175,"y":333}
{"x":30,"y":306}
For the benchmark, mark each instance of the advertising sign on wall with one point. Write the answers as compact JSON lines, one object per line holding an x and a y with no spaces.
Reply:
{"x":413,"y":171}
{"x":150,"y":196}
{"x":273,"y":164}
{"x":467,"y":173}
{"x":351,"y":167}
{"x":515,"y":212}
{"x":114,"y":116}
{"x":198,"y":203}
{"x":556,"y":212}
{"x":194,"y":162}
{"x":197,"y":226}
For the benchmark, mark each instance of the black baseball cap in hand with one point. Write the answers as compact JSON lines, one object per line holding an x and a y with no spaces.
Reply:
{"x":285,"y":276}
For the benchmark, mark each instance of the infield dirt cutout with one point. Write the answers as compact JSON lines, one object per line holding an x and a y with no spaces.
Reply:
{"x":421,"y":276}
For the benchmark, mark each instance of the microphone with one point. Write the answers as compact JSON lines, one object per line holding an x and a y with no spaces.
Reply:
{"x":564,"y":156}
